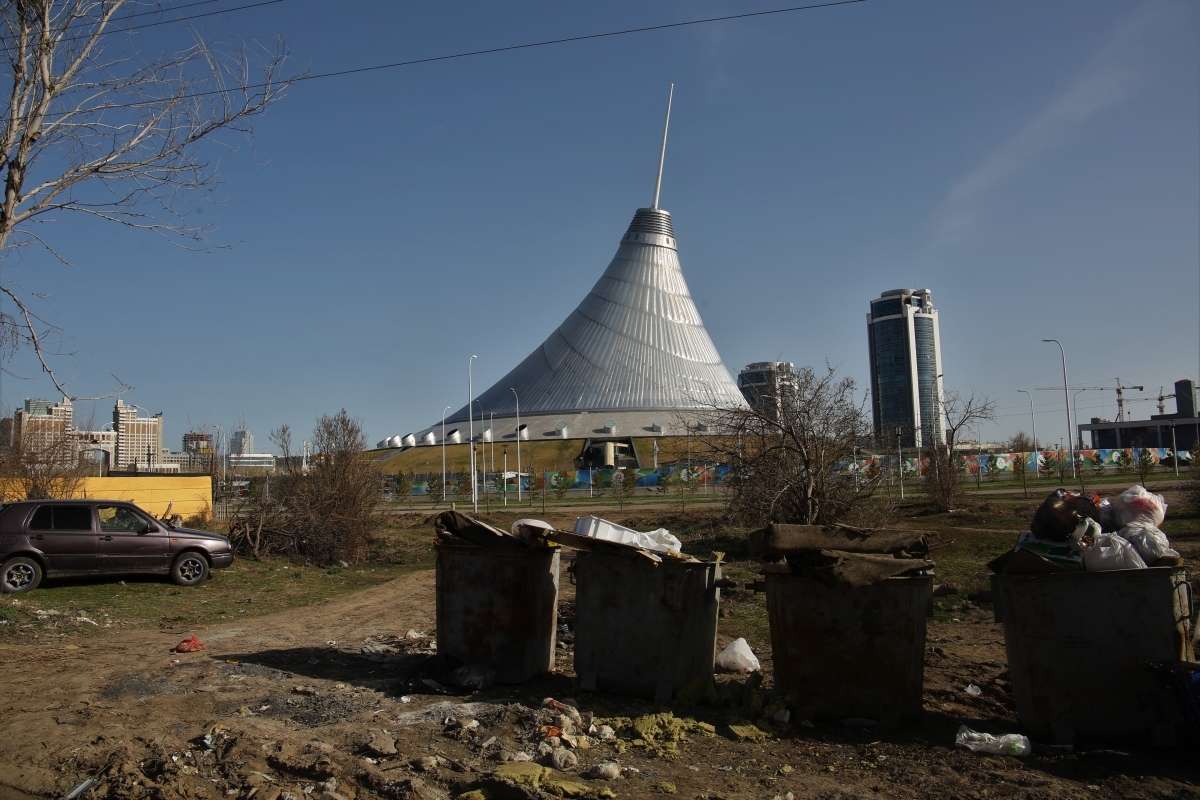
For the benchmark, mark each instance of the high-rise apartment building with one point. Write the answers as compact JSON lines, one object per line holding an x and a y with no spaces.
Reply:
{"x":906,"y":368}
{"x":768,"y":384}
{"x":44,"y":430}
{"x":241,"y":442}
{"x":139,"y":439}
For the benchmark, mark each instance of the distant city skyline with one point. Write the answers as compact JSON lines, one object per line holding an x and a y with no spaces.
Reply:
{"x":1033,"y":165}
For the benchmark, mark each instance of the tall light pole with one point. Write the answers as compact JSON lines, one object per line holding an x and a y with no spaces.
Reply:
{"x":444,"y":410}
{"x":471,"y":433}
{"x":517,"y":399}
{"x":1067,"y":403}
{"x":900,"y":457}
{"x":222,"y":458}
{"x":492,"y":430}
{"x":1075,"y":408}
{"x":484,"y":455}
{"x":1033,"y":416}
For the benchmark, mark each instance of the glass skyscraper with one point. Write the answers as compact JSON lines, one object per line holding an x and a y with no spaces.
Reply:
{"x":906,"y":368}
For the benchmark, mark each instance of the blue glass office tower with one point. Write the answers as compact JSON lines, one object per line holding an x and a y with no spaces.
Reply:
{"x":906,"y":368}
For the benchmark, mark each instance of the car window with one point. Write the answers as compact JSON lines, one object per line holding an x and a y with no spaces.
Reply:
{"x":72,"y":518}
{"x":42,"y":519}
{"x":121,"y":519}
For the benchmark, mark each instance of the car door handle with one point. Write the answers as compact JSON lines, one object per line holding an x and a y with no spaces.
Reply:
{"x":39,"y":537}
{"x":106,"y":538}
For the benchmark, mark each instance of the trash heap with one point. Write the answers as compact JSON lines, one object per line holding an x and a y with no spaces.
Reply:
{"x":594,"y":533}
{"x":1081,"y":531}
{"x":840,"y":555}
{"x":455,"y":529}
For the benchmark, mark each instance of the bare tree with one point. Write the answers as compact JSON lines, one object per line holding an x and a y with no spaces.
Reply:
{"x":43,"y":462}
{"x":944,"y":484}
{"x":105,"y":125}
{"x":788,"y":464}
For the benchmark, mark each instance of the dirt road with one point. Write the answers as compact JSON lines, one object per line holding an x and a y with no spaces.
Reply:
{"x":290,"y":704}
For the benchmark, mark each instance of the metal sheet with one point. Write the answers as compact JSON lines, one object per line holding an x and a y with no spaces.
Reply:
{"x":1076,"y":643}
{"x":850,"y":652}
{"x":498,"y":608}
{"x":636,"y":342}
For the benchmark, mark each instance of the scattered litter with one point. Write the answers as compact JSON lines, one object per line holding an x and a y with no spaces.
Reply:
{"x":473,"y":676}
{"x":521,"y":756}
{"x":974,"y":690}
{"x":563,"y":759}
{"x":190,"y":645}
{"x":80,"y":788}
{"x":412,"y":634}
{"x":405,"y":699}
{"x":738,"y":657}
{"x":783,"y":715}
{"x":1135,"y":503}
{"x":1010,"y":744}
{"x":605,"y":771}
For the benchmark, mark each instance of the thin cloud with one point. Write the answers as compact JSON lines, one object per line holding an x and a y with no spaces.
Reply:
{"x":1109,"y":79}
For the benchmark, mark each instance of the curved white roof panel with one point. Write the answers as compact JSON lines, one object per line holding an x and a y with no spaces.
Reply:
{"x":635,"y":343}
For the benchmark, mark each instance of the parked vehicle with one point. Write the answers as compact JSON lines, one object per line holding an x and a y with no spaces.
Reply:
{"x":56,"y":538}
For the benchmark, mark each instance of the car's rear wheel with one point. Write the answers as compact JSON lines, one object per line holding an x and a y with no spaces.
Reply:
{"x":20,"y":574}
{"x":189,"y":569}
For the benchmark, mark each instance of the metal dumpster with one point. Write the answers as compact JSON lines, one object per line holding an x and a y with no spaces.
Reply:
{"x":644,"y":628}
{"x":498,"y":607}
{"x":850,"y":652}
{"x":1076,"y":645}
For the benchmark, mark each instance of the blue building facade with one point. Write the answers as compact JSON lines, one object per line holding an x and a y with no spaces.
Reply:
{"x":906,"y":368}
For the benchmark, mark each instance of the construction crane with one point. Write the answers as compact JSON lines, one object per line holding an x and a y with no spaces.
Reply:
{"x":1120,"y":389}
{"x":1162,"y":398}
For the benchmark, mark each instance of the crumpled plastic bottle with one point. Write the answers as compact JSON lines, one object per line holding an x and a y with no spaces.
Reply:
{"x":1010,"y":744}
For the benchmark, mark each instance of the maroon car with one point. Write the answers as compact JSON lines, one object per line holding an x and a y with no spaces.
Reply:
{"x":100,"y":537}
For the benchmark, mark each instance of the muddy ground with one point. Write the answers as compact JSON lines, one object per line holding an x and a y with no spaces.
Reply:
{"x":309,"y":702}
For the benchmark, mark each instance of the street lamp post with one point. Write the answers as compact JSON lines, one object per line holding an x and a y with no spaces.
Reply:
{"x":222,"y":459}
{"x":1067,"y":403}
{"x":484,"y":480}
{"x":900,"y":458}
{"x":504,"y":483}
{"x":1033,"y":416}
{"x":1075,"y":408}
{"x":471,"y":433}
{"x":444,"y":410}
{"x":517,"y":399}
{"x":1174,"y":449}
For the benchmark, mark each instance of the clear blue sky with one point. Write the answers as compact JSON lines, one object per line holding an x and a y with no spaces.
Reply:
{"x":1035,"y":164}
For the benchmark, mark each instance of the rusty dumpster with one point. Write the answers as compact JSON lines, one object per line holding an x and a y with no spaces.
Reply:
{"x":498,"y":608}
{"x":643,"y":627}
{"x":850,"y":651}
{"x":1077,"y":643}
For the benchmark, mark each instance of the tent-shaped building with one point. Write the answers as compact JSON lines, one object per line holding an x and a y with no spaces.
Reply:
{"x":632,"y":360}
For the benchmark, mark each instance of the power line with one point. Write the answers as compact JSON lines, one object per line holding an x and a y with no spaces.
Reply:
{"x":568,"y":39}
{"x":487,"y":51}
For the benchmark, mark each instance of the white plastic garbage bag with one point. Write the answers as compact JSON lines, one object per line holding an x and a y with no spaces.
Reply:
{"x":738,"y":657}
{"x":1135,"y":503}
{"x":660,"y":540}
{"x":1010,"y":744}
{"x":1151,"y":543}
{"x":1110,"y":551}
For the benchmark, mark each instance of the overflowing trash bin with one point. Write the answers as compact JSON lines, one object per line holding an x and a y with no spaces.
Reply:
{"x":645,"y":615}
{"x":1091,"y":599}
{"x":497,"y":598}
{"x":847,"y":610}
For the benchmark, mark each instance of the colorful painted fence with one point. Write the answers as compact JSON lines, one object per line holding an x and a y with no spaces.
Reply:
{"x":999,"y":463}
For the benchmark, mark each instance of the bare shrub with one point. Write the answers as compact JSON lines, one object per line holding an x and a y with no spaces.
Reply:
{"x":944,"y":482}
{"x":42,"y":467}
{"x":788,"y":461}
{"x":329,"y":513}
